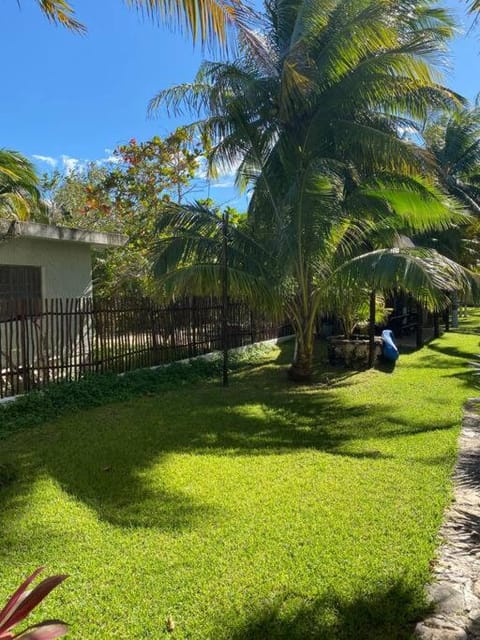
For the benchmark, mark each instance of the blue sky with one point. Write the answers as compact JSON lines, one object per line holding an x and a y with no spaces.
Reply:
{"x":72,"y":99}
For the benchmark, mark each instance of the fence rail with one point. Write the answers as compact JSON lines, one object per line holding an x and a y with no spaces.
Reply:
{"x":63,"y":339}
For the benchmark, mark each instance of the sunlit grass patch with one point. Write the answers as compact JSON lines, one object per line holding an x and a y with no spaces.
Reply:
{"x":259,"y":511}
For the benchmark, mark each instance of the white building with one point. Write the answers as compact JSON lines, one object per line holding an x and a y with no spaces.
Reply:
{"x":39,"y":261}
{"x":45,"y":296}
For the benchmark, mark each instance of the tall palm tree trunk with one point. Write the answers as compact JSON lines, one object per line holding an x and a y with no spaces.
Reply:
{"x":301,"y":369}
{"x":303,"y":322}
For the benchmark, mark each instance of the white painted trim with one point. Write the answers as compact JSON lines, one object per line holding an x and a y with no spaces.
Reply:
{"x":14,"y":229}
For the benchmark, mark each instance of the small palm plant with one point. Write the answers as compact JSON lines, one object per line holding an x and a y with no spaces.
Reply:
{"x":22,"y":603}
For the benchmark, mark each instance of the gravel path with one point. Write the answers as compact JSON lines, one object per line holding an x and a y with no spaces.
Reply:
{"x":455,"y":590}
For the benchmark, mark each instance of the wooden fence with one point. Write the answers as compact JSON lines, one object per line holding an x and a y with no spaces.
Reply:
{"x":63,"y":339}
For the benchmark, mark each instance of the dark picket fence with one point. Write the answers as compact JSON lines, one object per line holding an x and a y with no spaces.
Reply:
{"x":63,"y":339}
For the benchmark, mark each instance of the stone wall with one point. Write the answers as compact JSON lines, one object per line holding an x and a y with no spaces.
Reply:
{"x":353,"y":353}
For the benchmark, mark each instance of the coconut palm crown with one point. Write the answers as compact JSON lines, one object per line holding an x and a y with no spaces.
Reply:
{"x":311,"y":115}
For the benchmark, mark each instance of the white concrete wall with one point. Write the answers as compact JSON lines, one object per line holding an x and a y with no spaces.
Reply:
{"x":66,"y":266}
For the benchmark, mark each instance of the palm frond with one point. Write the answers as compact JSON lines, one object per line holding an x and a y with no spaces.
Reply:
{"x":190,"y":97}
{"x":409,"y":204}
{"x":62,"y":13}
{"x":207,"y":21}
{"x":474,"y":6}
{"x":424,"y":273}
{"x":19,"y":194}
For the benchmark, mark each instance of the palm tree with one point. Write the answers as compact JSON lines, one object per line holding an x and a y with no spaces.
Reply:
{"x":311,"y":113}
{"x":206,"y":20}
{"x":453,"y":139}
{"x":19,"y":194}
{"x":347,"y":256}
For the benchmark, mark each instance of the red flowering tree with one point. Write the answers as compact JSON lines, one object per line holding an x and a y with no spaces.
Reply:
{"x":126,"y":196}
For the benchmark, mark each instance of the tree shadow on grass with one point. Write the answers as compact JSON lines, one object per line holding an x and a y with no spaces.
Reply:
{"x":452,"y":352}
{"x":104,"y":457}
{"x":468,"y":377}
{"x":386,"y":366}
{"x":388,"y":614}
{"x":106,"y":466}
{"x":115,"y":492}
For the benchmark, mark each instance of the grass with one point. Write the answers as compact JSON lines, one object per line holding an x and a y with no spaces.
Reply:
{"x":63,"y":398}
{"x":259,"y":511}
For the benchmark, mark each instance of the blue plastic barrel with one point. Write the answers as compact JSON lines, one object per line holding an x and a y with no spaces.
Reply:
{"x":390,"y":351}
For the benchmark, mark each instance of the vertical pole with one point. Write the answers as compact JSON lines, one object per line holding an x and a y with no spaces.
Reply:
{"x":446,"y":318}
{"x":371,"y":329}
{"x":436,"y":325}
{"x":419,"y":325}
{"x":225,"y":296}
{"x":455,"y":306}
{"x":24,"y":358}
{"x":193,"y":316}
{"x":252,"y":327}
{"x":154,"y":352}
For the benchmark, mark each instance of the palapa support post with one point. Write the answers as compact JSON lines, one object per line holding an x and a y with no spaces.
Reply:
{"x":455,"y":309}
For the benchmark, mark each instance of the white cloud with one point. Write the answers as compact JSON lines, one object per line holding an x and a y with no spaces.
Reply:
{"x":70,"y":164}
{"x":225,"y":178}
{"x":110,"y":158}
{"x":222,"y":173}
{"x":230,"y":171}
{"x":52,"y":162}
{"x":407,"y":131}
{"x":226,"y":183}
{"x":201,"y":171}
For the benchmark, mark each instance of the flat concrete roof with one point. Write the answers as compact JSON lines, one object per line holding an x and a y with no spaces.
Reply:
{"x":35,"y":230}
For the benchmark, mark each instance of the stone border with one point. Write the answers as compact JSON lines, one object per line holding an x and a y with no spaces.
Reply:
{"x":455,"y":590}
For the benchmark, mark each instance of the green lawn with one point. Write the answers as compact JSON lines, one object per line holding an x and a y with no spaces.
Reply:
{"x":259,"y":511}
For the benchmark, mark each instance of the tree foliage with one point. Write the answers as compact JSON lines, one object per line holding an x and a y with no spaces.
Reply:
{"x":19,"y":188}
{"x":312,"y":114}
{"x":207,"y":21}
{"x":454,"y":141}
{"x":127,"y":196}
